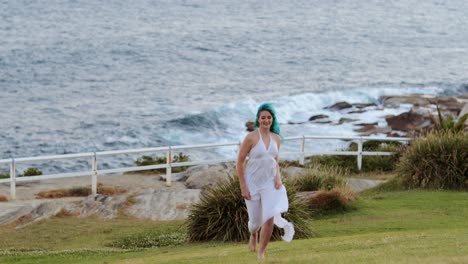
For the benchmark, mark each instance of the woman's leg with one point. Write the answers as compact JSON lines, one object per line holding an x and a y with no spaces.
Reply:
{"x":265,"y":235}
{"x":254,"y":210}
{"x":253,"y":242}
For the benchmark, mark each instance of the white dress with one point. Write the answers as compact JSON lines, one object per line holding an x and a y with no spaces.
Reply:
{"x":266,"y":201}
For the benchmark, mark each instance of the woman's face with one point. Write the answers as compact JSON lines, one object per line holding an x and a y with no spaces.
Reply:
{"x":265,"y":119}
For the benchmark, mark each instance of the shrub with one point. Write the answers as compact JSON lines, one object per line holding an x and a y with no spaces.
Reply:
{"x":150,"y":240}
{"x":3,"y":198}
{"x":319,"y":177}
{"x":222,"y":215}
{"x":32,"y":172}
{"x":335,"y":200}
{"x":148,"y":160}
{"x":4,"y":176}
{"x":438,"y":160}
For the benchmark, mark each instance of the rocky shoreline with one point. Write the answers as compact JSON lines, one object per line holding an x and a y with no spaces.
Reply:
{"x":406,"y":124}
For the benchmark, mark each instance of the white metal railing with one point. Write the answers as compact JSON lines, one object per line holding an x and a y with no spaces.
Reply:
{"x":169,"y":165}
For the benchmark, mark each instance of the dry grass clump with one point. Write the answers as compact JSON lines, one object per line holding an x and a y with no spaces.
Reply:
{"x":337,"y":199}
{"x":110,"y":190}
{"x":81,"y":191}
{"x":3,"y":198}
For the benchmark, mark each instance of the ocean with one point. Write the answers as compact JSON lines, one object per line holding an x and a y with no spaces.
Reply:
{"x":89,"y":75}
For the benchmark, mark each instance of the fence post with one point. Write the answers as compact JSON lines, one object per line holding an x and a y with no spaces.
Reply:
{"x":12,"y":180}
{"x":359,"y":157}
{"x":301,"y":156}
{"x":169,"y":168}
{"x":94,"y":176}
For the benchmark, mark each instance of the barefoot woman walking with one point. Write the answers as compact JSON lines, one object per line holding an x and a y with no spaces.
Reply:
{"x":260,"y":181}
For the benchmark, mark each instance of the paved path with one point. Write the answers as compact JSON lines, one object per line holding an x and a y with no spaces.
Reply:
{"x":359,"y":185}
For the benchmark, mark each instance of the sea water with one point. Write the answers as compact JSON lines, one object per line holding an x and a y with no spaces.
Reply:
{"x":86,"y":75}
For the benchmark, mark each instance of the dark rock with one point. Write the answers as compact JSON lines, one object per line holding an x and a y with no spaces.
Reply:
{"x":295,"y":123}
{"x":323,"y":122}
{"x":360,"y":111}
{"x":250,"y":126}
{"x":408,"y":121}
{"x":339,"y":106}
{"x":316,"y":117}
{"x":366,"y":124}
{"x":346,"y":120}
{"x":363,"y":105}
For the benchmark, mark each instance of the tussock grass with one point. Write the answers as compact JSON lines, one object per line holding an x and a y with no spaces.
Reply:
{"x":437,"y":161}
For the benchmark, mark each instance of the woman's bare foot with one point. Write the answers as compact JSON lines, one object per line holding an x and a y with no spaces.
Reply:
{"x":253,"y":242}
{"x":260,"y":255}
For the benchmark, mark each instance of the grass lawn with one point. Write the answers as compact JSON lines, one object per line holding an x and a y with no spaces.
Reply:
{"x":388,"y":227}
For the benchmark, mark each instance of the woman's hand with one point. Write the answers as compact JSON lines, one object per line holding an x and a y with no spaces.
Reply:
{"x":245,"y":193}
{"x":278,"y":182}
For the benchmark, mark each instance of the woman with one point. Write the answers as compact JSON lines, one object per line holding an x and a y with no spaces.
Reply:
{"x":260,"y":181}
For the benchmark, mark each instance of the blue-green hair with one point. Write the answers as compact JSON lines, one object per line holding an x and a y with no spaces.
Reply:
{"x":274,"y":125}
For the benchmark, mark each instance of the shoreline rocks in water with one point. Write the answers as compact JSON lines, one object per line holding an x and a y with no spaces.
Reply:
{"x":408,"y":123}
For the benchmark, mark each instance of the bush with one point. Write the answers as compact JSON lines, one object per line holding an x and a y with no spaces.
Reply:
{"x":319,"y":177}
{"x":335,"y":200}
{"x":148,"y":160}
{"x":222,"y":215}
{"x":4,"y":176}
{"x":150,"y":240}
{"x":32,"y":172}
{"x":439,"y":160}
{"x":3,"y":198}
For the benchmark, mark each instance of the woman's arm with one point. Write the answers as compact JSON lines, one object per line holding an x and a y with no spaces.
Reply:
{"x":243,"y":152}
{"x":278,"y":182}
